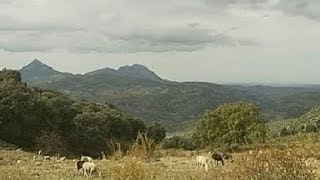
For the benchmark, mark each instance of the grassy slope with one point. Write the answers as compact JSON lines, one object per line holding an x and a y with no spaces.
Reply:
{"x":286,"y":154}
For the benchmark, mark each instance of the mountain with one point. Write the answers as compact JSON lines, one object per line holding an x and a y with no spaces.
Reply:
{"x":37,"y":72}
{"x":104,"y":71}
{"x":139,"y":91}
{"x":134,"y":71}
{"x":138,"y":71}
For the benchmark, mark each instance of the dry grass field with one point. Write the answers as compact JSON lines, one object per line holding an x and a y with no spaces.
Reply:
{"x":295,"y":160}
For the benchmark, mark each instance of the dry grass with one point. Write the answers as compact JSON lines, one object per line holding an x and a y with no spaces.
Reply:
{"x":283,"y":162}
{"x":271,"y":164}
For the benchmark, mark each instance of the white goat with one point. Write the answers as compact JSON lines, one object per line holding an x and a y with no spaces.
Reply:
{"x":203,"y":161}
{"x":89,"y":167}
{"x":86,"y":159}
{"x":46,"y":158}
{"x":61,"y":159}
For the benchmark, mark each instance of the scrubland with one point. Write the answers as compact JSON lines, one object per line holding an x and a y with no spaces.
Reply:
{"x":297,"y":158}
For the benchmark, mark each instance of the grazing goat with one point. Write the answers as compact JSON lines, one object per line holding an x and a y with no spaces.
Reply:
{"x":86,"y":159}
{"x":89,"y":168}
{"x":227,"y":156}
{"x":46,"y":158}
{"x":218,"y":158}
{"x":61,"y":159}
{"x":203,"y":161}
{"x":80,"y":166}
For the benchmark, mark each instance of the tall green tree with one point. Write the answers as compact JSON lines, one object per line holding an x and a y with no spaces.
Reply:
{"x":157,"y":132}
{"x":237,"y":122}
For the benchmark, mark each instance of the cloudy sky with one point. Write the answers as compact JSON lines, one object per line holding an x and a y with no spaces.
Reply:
{"x":262,"y":41}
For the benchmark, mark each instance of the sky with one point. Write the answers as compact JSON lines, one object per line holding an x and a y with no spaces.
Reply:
{"x":221,"y":41}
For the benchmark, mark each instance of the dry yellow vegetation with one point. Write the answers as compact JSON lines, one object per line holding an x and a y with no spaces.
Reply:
{"x":298,"y":160}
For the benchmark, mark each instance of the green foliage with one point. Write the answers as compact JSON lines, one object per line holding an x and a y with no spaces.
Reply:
{"x":296,"y":105}
{"x":141,"y":92}
{"x":156,"y":132}
{"x":186,"y":143}
{"x":307,"y":123}
{"x":53,"y":122}
{"x":6,"y":75}
{"x":237,"y":122}
{"x":286,"y":131}
{"x":50,"y":143}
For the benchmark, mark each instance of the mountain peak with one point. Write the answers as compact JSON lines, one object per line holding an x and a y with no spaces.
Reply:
{"x":139,"y":71}
{"x":36,"y":61}
{"x":36,"y":71}
{"x":35,"y":64}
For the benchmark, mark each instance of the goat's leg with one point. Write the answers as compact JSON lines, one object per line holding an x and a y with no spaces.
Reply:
{"x":85,"y":173}
{"x":90,"y":172}
{"x":206,"y":167}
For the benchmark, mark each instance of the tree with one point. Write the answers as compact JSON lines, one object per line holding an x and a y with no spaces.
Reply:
{"x":237,"y":122}
{"x":157,"y":132}
{"x":35,"y":118}
{"x":6,"y":74}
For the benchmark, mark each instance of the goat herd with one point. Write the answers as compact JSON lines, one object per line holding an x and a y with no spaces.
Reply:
{"x":204,"y":161}
{"x":87,"y":166}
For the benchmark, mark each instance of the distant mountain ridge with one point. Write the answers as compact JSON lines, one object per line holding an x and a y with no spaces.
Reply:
{"x":139,"y":91}
{"x":38,"y":72}
{"x":135,"y":70}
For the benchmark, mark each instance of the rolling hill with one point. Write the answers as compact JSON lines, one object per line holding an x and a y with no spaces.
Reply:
{"x":36,"y":73}
{"x":139,"y":91}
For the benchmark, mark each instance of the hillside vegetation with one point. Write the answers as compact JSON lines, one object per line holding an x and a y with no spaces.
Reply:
{"x":125,"y":148}
{"x":140,"y":92}
{"x":35,"y":119}
{"x":297,"y":159}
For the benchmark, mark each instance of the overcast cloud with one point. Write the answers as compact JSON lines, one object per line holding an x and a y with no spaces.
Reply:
{"x":209,"y":34}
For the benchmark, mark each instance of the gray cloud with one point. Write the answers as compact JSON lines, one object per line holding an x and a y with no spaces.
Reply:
{"x":257,"y":37}
{"x":181,"y":25}
{"x":174,"y":39}
{"x":151,"y":40}
{"x":48,"y":37}
{"x":248,"y":3}
{"x":307,"y":8}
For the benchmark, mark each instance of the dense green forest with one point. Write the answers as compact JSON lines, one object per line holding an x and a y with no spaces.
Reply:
{"x":35,"y":119}
{"x":139,"y":91}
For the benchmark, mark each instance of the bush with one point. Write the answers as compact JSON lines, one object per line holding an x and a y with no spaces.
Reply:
{"x":178,"y":142}
{"x":311,"y":128}
{"x":50,"y":143}
{"x":172,"y":142}
{"x":157,"y":132}
{"x":287,"y":131}
{"x":237,"y":122}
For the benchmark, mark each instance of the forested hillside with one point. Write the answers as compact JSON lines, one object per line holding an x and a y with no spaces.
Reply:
{"x":139,"y":91}
{"x":35,"y":119}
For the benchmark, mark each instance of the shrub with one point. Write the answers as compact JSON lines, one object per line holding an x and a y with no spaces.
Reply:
{"x":186,"y":143}
{"x":130,"y":169}
{"x":311,"y":128}
{"x":273,"y":164}
{"x":157,"y":132}
{"x":172,"y":142}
